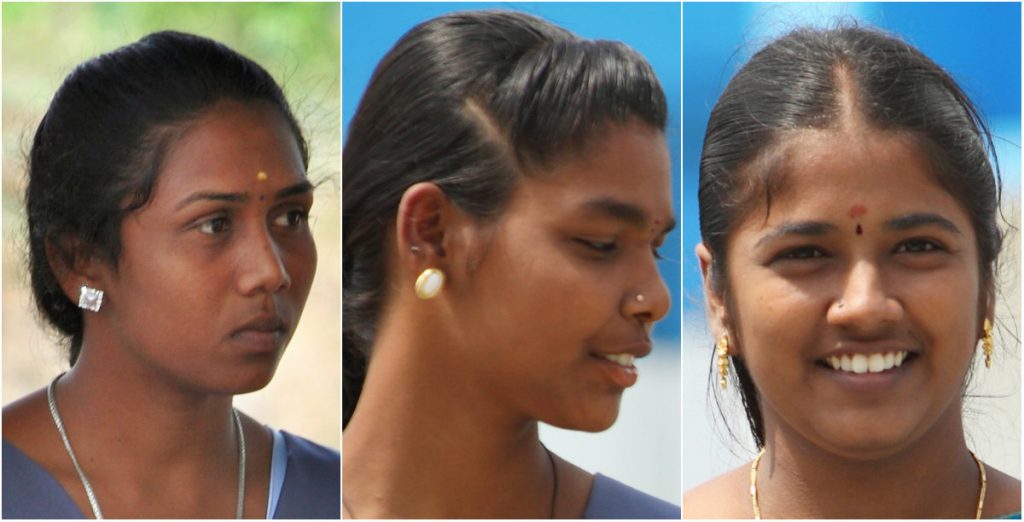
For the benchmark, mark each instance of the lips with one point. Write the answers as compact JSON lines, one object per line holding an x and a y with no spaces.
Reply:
{"x":265,"y":332}
{"x":616,"y":362}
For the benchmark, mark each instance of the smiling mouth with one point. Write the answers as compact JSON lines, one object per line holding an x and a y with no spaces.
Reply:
{"x":859,"y":363}
{"x":622,"y":359}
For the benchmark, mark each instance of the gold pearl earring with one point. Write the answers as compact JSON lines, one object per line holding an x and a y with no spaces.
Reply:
{"x":986,"y":342}
{"x":429,"y":283}
{"x":722,"y":349}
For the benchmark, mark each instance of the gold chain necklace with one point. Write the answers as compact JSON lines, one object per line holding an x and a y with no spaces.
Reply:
{"x":757,"y":507}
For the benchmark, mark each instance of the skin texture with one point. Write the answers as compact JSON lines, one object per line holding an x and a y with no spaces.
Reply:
{"x":531,"y":299}
{"x":208,"y":290}
{"x":804,"y":283}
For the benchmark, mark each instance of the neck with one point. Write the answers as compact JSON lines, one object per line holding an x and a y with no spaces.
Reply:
{"x":934,"y":477}
{"x":131,"y":415}
{"x":426,"y":441}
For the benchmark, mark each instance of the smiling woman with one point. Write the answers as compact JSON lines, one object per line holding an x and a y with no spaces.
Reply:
{"x":505,"y":191}
{"x":849,"y":240}
{"x":167,"y":196}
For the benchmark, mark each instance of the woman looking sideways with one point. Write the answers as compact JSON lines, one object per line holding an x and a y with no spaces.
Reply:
{"x":505,"y":189}
{"x":167,"y":209}
{"x":848,"y":214}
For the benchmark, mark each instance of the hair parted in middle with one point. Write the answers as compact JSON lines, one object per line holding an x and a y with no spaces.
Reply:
{"x":470,"y":101}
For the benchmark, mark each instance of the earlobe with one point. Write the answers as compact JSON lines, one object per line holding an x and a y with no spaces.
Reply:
{"x":77,"y":272}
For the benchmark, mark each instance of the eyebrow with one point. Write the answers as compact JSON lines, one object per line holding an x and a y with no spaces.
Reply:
{"x":797,"y":228}
{"x":910,"y":221}
{"x":241,"y":197}
{"x":818,"y":228}
{"x":627,"y":212}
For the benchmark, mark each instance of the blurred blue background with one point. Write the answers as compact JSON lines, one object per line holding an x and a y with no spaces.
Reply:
{"x":980,"y":45}
{"x":642,"y":449}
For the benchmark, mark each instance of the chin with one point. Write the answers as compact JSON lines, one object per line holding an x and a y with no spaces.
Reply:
{"x":593,"y":419}
{"x":865,"y":444}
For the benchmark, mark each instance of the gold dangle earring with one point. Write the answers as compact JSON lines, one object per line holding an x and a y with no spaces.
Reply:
{"x":986,"y":342}
{"x":722,"y":350}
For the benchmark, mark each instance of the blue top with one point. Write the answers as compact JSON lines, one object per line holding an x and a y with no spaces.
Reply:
{"x":610,"y":498}
{"x":310,"y":488}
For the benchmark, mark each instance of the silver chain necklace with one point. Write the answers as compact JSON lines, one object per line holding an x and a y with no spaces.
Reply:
{"x":93,"y":503}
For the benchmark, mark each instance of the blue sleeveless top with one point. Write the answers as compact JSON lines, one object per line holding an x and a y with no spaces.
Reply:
{"x":310,"y":486}
{"x":610,"y":498}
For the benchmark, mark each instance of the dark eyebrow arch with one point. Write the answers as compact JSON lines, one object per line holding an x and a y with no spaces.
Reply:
{"x":631,"y":214}
{"x":301,"y":187}
{"x":241,"y":197}
{"x":798,"y":228}
{"x":910,"y":221}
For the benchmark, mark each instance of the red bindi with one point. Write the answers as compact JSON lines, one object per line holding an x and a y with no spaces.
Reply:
{"x":857,"y":211}
{"x":859,"y":230}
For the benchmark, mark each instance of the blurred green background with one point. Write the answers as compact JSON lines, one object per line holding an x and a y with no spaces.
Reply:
{"x":299,"y":44}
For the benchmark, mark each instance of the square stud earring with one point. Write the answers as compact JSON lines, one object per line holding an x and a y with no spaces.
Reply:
{"x":90,"y":298}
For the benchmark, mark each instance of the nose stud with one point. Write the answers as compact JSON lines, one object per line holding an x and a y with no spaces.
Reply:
{"x":640,"y":298}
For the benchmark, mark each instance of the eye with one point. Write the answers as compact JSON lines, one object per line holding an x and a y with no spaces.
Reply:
{"x":215,"y":226}
{"x":919,"y":246}
{"x":601,"y":247}
{"x":800,"y":253}
{"x":293,"y":219}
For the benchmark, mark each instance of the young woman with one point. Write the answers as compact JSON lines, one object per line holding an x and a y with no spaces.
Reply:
{"x":848,"y":211}
{"x":505,"y":190}
{"x":167,"y":209}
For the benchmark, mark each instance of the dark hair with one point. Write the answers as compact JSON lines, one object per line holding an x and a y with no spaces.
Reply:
{"x":797,"y":82}
{"x":98,"y":149}
{"x":469,"y":101}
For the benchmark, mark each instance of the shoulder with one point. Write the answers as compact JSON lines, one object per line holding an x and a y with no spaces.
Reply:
{"x":610,"y":498}
{"x":724,"y":496}
{"x":312,"y":480}
{"x":1003,"y":495}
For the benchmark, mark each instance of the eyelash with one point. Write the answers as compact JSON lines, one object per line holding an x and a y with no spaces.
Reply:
{"x":930,"y":246}
{"x":606,"y":248}
{"x":800,"y":254}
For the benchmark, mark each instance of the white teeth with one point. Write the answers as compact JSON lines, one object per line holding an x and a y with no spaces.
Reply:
{"x":867,"y":363}
{"x":622,"y":359}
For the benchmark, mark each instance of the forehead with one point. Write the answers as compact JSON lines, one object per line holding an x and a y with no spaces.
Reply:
{"x":848,"y":171}
{"x":228,"y":146}
{"x":628,"y":162}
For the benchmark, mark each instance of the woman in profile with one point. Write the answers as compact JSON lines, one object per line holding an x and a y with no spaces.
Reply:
{"x":505,"y":191}
{"x":848,"y":210}
{"x":167,"y":208}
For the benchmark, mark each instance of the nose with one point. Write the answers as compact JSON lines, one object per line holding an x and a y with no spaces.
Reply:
{"x":649,"y":300}
{"x":262,"y":266}
{"x":865,"y":305}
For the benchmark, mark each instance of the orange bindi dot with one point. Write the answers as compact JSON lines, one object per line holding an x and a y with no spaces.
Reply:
{"x":261,"y":176}
{"x":857,"y":211}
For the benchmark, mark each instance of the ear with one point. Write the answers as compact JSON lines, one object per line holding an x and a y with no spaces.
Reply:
{"x":424,"y":216}
{"x":717,"y":312}
{"x":73,"y":265}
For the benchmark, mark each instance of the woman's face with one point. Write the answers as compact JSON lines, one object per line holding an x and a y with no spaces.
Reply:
{"x":863,"y":260}
{"x":567,"y":280}
{"x":215,"y":269}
